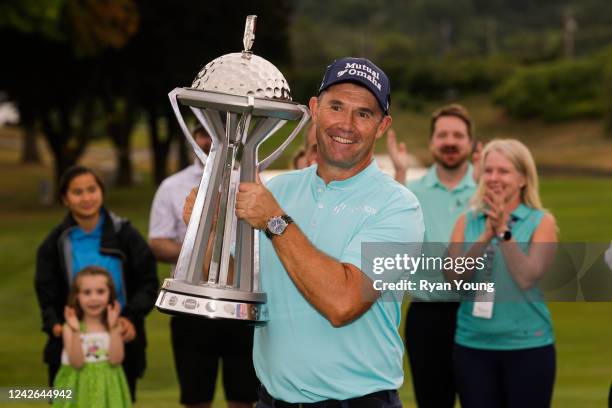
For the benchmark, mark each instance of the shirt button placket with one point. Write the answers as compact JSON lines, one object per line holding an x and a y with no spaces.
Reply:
{"x":320,"y":191}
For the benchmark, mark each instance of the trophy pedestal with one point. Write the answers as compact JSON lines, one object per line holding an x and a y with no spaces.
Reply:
{"x":212,"y":302}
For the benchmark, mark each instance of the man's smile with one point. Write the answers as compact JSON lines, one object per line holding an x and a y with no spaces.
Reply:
{"x":342,"y":140}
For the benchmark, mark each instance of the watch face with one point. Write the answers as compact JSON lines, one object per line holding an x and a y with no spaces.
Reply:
{"x":277,"y":225}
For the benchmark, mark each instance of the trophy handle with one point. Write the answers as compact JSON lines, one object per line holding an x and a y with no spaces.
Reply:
{"x":263,"y":164}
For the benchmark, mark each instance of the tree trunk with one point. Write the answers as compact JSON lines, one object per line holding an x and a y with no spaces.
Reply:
{"x":29,"y":149}
{"x":67,"y":143}
{"x":120,"y":123}
{"x":446,"y":31}
{"x":159,"y":147}
{"x":569,"y":32}
{"x":125,"y":170}
{"x":491,"y":35}
{"x":65,"y":152}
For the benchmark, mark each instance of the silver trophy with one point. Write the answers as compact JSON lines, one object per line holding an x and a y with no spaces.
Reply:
{"x":241,"y":100}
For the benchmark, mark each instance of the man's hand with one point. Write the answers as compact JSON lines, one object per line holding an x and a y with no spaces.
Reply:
{"x":399,"y":156}
{"x":256,"y":205}
{"x":188,"y":206}
{"x":126,"y":329}
{"x":57,"y":330}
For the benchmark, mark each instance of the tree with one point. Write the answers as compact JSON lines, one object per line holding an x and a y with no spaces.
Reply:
{"x":101,"y":30}
{"x":57,"y":82}
{"x":174,"y":42}
{"x":30,"y":17}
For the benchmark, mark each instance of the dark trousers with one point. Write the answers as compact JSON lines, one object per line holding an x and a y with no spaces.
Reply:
{"x":198,"y":344}
{"x":505,"y":378}
{"x":430,"y":339}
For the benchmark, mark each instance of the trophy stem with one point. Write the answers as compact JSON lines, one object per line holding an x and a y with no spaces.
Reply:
{"x":218,"y":244}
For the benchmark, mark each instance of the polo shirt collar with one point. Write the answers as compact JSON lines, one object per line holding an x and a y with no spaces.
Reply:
{"x":351,"y":182}
{"x":431,"y":178}
{"x":521,"y":212}
{"x":79,"y":233}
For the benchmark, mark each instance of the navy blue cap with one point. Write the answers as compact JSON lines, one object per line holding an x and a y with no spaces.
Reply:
{"x":362,"y":72}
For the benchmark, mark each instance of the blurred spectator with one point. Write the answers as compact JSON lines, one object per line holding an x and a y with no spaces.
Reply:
{"x":299,"y":160}
{"x":444,"y":193}
{"x":93,"y":347}
{"x":306,"y":156}
{"x":310,"y":145}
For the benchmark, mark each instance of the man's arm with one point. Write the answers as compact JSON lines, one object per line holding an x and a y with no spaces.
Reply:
{"x":340,"y":292}
{"x":163,"y":226}
{"x":165,"y":249}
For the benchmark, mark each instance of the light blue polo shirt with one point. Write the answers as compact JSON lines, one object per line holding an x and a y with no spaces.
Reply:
{"x":441,"y":209}
{"x":299,"y":356}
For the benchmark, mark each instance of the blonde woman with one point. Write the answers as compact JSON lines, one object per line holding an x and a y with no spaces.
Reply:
{"x":504,"y":344}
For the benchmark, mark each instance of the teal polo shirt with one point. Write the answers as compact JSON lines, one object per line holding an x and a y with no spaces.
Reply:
{"x":441,"y":208}
{"x":298,"y":355}
{"x":519,"y":320}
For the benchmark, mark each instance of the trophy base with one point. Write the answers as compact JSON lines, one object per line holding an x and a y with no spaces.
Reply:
{"x":200,"y":304}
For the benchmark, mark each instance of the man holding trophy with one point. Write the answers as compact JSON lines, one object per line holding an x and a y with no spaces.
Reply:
{"x":288,"y":256}
{"x":330,"y":337}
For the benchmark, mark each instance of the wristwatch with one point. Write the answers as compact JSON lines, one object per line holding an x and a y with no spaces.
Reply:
{"x":277,"y":225}
{"x":505,"y":236}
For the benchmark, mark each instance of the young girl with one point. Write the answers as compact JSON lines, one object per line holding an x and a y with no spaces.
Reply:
{"x":93,"y":348}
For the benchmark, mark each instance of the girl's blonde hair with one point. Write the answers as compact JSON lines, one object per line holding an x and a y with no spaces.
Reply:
{"x":73,"y":300}
{"x":522,"y":160}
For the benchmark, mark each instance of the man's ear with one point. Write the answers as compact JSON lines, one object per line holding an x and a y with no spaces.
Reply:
{"x":384,"y":124}
{"x":313,"y":104}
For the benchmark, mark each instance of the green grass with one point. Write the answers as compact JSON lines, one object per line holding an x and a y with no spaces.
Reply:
{"x":583,"y":331}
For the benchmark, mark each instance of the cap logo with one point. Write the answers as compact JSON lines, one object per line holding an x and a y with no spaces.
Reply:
{"x":363,"y":71}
